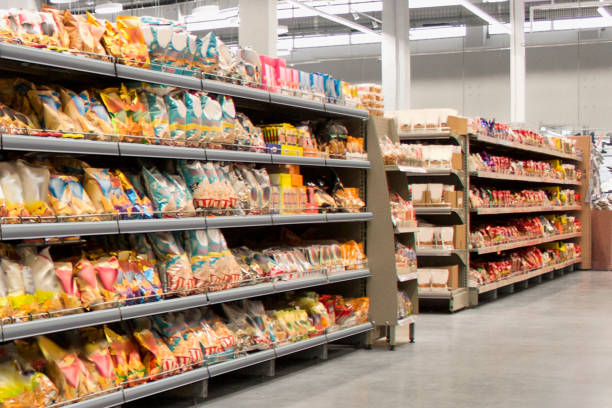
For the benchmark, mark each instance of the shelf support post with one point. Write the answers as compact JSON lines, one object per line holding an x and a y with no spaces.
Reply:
{"x":396,"y":54}
{"x":258,"y":26}
{"x":517,"y":61}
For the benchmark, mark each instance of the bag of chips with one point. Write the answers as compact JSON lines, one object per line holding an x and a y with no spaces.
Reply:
{"x":159,"y":360}
{"x":97,"y":357}
{"x":211,"y":120}
{"x":228,"y":121}
{"x":58,"y":17}
{"x":20,"y":289}
{"x":196,"y":245}
{"x":134,"y":49}
{"x":128,"y":113}
{"x":35,"y":182}
{"x":105,"y":190}
{"x":96,"y":114}
{"x":140,"y":207}
{"x":87,"y":282}
{"x":226,"y":272}
{"x":48,"y":291}
{"x":174,"y":266}
{"x":70,"y":291}
{"x":23,"y":390}
{"x":193,"y":119}
{"x":69,"y":199}
{"x":48,"y":107}
{"x":181,"y":341}
{"x":107,"y":270}
{"x":126,"y":359}
{"x":158,"y":113}
{"x":177,"y":114}
{"x":10,"y":182}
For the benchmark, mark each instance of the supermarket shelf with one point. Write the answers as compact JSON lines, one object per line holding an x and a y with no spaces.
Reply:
{"x":525,"y":243}
{"x":407,"y":277}
{"x":542,"y":180}
{"x":434,"y":252}
{"x":165,"y":384}
{"x":519,"y":278}
{"x":524,"y":147}
{"x":534,"y":209}
{"x":428,"y":135}
{"x":55,"y":59}
{"x":422,"y":171}
{"x":458,"y":299}
{"x":69,"y":229}
{"x":108,"y":68}
{"x":434,"y":210}
{"x":435,"y":295}
{"x":406,"y":320}
{"x":203,"y":373}
{"x":57,"y":324}
{"x":405,"y":230}
{"x":110,"y":148}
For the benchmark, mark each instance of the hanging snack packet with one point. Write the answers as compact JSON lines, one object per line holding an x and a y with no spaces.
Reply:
{"x":177,"y":114}
{"x":159,"y":360}
{"x":196,"y":245}
{"x":67,"y":371}
{"x":35,"y":182}
{"x":160,"y":190}
{"x":126,"y":359}
{"x":211,"y":120}
{"x":184,"y":199}
{"x":141,"y":207}
{"x":48,"y":291}
{"x":87,"y":282}
{"x":105,"y":190}
{"x":193,"y":119}
{"x":181,"y":341}
{"x":70,"y":291}
{"x":10,"y":182}
{"x":174,"y":266}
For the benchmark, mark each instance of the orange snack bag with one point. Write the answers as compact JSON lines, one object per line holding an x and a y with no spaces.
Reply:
{"x":134,"y":50}
{"x":126,"y":358}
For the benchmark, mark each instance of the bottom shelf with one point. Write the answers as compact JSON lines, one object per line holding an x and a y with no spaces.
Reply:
{"x":406,"y":320}
{"x":457,"y":299}
{"x":199,"y":374}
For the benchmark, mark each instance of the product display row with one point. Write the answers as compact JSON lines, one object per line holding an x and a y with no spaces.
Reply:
{"x":67,"y":189}
{"x":522,"y":261}
{"x":126,"y":270}
{"x":547,"y":197}
{"x":421,"y":156}
{"x":80,"y":364}
{"x":550,"y":170}
{"x":521,"y":229}
{"x":402,"y":212}
{"x":156,"y":114}
{"x":165,"y":45}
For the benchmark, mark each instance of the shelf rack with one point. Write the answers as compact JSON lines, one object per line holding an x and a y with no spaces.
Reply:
{"x":258,"y":102}
{"x":457,"y":133}
{"x":382,"y":235}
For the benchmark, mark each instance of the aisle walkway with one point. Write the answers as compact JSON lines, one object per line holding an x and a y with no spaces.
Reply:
{"x":548,"y":346}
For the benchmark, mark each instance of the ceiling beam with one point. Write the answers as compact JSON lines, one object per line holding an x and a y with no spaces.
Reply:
{"x":334,"y":18}
{"x":484,"y":15}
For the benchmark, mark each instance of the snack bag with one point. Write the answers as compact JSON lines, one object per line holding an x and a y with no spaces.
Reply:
{"x":58,"y":17}
{"x":158,"y":113}
{"x":196,"y":246}
{"x":74,"y":107}
{"x":107,"y":270}
{"x":183,"y":196}
{"x":173,"y":262}
{"x":96,"y":113}
{"x":193,"y":119}
{"x":159,"y":360}
{"x":67,"y":371}
{"x":21,"y":390}
{"x":206,"y":57}
{"x":111,"y":40}
{"x":160,"y":190}
{"x":10,"y":182}
{"x":141,"y":207}
{"x":97,"y":357}
{"x":6,"y":311}
{"x":69,"y":199}
{"x":228,"y":121}
{"x":211,"y":120}
{"x":87,"y":282}
{"x":226,"y":272}
{"x":35,"y":182}
{"x":126,"y":359}
{"x":181,"y":341}
{"x":70,"y":291}
{"x":148,"y":211}
{"x":48,"y":291}
{"x":105,"y":190}
{"x":134,"y":49}
{"x":146,"y":275}
{"x":177,"y":114}
{"x":78,"y":33}
{"x":19,"y":289}
{"x":48,"y":107}
{"x":157,"y":34}
{"x":128,"y":113}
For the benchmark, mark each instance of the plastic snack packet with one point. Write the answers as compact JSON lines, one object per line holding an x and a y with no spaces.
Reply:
{"x":126,"y":359}
{"x":147,"y":277}
{"x":21,"y":390}
{"x":226,"y":272}
{"x":177,"y":114}
{"x":70,"y":291}
{"x":6,"y":311}
{"x":48,"y":291}
{"x":10,"y":182}
{"x":47,"y":105}
{"x":193,"y":119}
{"x":158,"y":112}
{"x":228,"y":122}
{"x":159,"y":360}
{"x":78,"y":32}
{"x":196,"y":245}
{"x":96,"y":113}
{"x":160,"y":190}
{"x":19,"y":288}
{"x":134,"y":50}
{"x":157,"y":34}
{"x":105,"y":190}
{"x":58,"y":17}
{"x":97,"y":357}
{"x":183,"y":196}
{"x":35,"y":182}
{"x":181,"y":341}
{"x":87,"y":282}
{"x":67,"y":370}
{"x":212,"y":113}
{"x":141,"y":207}
{"x":173,"y":262}
{"x":107,"y":270}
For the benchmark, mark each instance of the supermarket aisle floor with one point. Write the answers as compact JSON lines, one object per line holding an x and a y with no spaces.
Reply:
{"x":548,"y":346}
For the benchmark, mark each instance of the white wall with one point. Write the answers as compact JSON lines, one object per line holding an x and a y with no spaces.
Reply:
{"x":566,"y":85}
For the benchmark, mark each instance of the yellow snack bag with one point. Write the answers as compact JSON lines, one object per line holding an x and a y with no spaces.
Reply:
{"x":126,"y":358}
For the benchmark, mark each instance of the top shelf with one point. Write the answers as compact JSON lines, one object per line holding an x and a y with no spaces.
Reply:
{"x":110,"y":68}
{"x":433,"y":134}
{"x":524,"y":147}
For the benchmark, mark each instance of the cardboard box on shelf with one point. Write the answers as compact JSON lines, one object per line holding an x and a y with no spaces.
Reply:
{"x":280,"y":179}
{"x":458,"y":125}
{"x":420,"y":193}
{"x":450,"y":197}
{"x":453,"y":277}
{"x":457,"y":161}
{"x":297,"y":180}
{"x":459,"y":199}
{"x":460,"y":239}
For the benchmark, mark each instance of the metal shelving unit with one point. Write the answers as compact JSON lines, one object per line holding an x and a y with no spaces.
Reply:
{"x":350,"y":225}
{"x":524,"y":243}
{"x":523,"y":210}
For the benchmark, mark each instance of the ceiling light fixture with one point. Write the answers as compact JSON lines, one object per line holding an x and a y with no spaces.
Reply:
{"x":108,"y":8}
{"x":604,"y":13}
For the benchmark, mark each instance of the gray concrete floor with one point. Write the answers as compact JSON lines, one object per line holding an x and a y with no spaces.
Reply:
{"x":548,"y":346}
